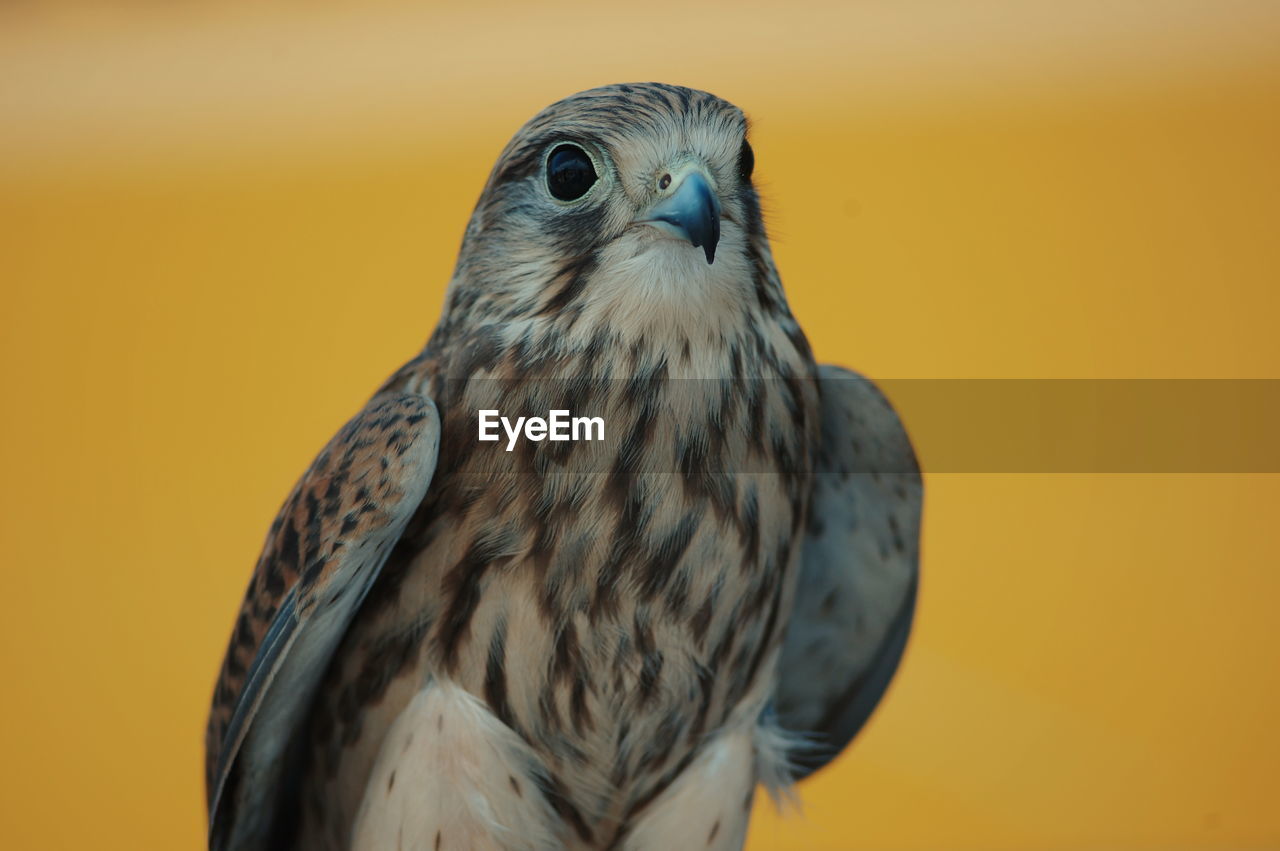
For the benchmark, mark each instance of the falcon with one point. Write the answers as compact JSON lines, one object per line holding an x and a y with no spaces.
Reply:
{"x":454,"y":644}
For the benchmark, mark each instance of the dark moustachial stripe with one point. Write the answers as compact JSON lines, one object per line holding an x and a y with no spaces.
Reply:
{"x":570,"y":283}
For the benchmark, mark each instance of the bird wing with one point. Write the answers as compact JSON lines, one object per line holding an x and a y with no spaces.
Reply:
{"x":859,"y":565}
{"x":323,"y":553}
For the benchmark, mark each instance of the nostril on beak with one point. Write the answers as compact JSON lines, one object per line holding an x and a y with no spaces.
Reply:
{"x":691,"y":211}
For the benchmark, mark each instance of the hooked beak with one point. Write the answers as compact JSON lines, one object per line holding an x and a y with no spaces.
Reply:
{"x":691,"y":210}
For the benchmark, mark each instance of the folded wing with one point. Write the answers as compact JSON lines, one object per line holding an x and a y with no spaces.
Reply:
{"x":322,"y":554}
{"x":857,"y":586}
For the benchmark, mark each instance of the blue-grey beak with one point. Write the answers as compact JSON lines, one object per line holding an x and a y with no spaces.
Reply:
{"x":692,"y":212}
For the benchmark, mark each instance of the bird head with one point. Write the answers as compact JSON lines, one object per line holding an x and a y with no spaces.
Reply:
{"x":627,"y":200}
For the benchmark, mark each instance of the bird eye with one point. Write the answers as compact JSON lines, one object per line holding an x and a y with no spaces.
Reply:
{"x":746,"y":161}
{"x":570,"y":172}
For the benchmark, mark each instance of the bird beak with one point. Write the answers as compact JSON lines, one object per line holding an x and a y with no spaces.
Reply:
{"x":690,"y":209}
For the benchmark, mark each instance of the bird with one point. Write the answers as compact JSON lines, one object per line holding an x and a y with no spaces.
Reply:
{"x":448,"y":643}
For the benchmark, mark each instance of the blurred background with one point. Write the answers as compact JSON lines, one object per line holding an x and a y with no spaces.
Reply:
{"x":222,"y":224}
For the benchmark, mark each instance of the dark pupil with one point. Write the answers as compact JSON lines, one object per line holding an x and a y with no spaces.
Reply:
{"x":746,"y":161}
{"x":569,"y":172}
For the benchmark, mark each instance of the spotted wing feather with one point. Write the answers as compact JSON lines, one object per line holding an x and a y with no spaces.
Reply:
{"x":858,"y":576}
{"x":322,"y":554}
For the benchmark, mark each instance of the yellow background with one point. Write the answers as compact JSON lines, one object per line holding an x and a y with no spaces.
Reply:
{"x":221,"y":225}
